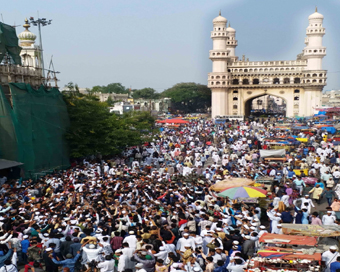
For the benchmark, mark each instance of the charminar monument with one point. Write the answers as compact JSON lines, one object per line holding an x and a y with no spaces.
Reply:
{"x":235,"y":82}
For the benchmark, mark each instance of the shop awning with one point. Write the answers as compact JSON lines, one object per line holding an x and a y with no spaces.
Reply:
{"x":8,"y":164}
{"x":287,"y":239}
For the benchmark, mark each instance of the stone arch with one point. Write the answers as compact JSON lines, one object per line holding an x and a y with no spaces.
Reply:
{"x":247,"y":102}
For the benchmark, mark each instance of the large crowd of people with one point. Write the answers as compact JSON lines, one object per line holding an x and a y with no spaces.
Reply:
{"x":151,"y":209}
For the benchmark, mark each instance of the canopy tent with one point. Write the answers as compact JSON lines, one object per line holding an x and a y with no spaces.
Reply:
{"x":287,"y":239}
{"x":4,"y":164}
{"x":311,"y":230}
{"x":173,"y":121}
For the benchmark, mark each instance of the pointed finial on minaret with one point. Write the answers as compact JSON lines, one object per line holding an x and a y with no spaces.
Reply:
{"x":219,"y":13}
{"x":26,"y":25}
{"x":229,"y":24}
{"x":316,"y":9}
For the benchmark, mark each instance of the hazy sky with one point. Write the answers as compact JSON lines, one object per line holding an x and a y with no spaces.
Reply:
{"x":158,"y":43}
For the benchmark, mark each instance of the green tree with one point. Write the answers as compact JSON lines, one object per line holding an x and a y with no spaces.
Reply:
{"x":94,"y":129}
{"x":110,"y":88}
{"x":116,"y":88}
{"x":146,"y":93}
{"x":97,"y":89}
{"x":189,"y":97}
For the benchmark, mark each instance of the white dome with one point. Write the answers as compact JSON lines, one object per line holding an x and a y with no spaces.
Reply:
{"x":230,"y":29}
{"x":315,"y":15}
{"x":26,"y":35}
{"x":220,"y":19}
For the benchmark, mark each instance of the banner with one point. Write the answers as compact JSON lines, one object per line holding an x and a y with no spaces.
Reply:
{"x":272,"y":153}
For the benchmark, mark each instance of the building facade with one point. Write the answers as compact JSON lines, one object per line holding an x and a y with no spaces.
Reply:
{"x":235,"y":82}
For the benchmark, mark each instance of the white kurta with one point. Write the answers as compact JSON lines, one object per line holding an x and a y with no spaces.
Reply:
{"x":131,"y":240}
{"x":329,"y":257}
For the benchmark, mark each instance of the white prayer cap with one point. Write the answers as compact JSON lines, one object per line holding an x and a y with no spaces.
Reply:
{"x":262,"y":227}
{"x":73,"y":222}
{"x":236,"y":242}
{"x":235,"y":247}
{"x":329,"y":211}
{"x":252,"y":228}
{"x":246,"y":227}
{"x":197,"y":269}
{"x":186,"y":234}
{"x":333,"y":247}
{"x":25,"y":236}
{"x":46,"y":234}
{"x":92,"y":246}
{"x":60,"y":229}
{"x":175,"y":265}
{"x":278,"y":214}
{"x":279,"y":225}
{"x":139,"y":265}
{"x":118,"y":251}
{"x":161,"y":248}
{"x":131,"y":232}
{"x":48,"y":249}
{"x":218,"y":229}
{"x":256,"y":219}
{"x":247,"y":237}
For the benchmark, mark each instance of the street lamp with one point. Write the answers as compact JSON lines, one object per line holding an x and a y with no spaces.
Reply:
{"x":41,"y":22}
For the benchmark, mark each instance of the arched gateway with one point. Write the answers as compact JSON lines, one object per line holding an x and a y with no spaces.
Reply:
{"x":235,"y":82}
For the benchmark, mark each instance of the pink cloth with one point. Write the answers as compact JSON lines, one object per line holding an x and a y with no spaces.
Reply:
{"x":316,"y":221}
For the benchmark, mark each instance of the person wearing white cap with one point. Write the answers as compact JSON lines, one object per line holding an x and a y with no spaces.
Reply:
{"x":248,"y":247}
{"x":139,"y":267}
{"x":275,"y":221}
{"x":121,"y":260}
{"x":305,"y":200}
{"x":131,"y":240}
{"x":108,"y":265}
{"x":162,"y":254}
{"x":91,"y":253}
{"x":329,"y":256}
{"x":262,"y":230}
{"x":278,"y":229}
{"x":184,"y":242}
{"x":328,"y":219}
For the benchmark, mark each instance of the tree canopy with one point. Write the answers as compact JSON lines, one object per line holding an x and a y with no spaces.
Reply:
{"x":146,"y":93}
{"x":94,"y":130}
{"x":117,"y":88}
{"x":189,"y":97}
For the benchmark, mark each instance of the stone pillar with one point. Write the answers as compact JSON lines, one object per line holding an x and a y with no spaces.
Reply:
{"x":218,"y":102}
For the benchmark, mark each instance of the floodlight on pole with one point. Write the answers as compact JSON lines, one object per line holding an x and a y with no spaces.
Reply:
{"x":41,"y":22}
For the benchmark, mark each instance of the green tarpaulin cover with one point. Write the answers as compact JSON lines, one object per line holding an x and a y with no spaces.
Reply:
{"x":32,"y":132}
{"x":9,"y":43}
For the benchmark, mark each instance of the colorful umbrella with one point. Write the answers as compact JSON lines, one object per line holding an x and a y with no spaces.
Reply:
{"x":231,"y":182}
{"x":236,"y":192}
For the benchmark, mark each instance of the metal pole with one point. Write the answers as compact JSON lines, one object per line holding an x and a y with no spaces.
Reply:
{"x":41,"y":52}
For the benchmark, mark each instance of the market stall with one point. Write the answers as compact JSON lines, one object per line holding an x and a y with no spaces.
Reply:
{"x":280,"y":252}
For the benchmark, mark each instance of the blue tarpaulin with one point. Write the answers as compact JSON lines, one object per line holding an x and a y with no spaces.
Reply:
{"x":329,"y":129}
